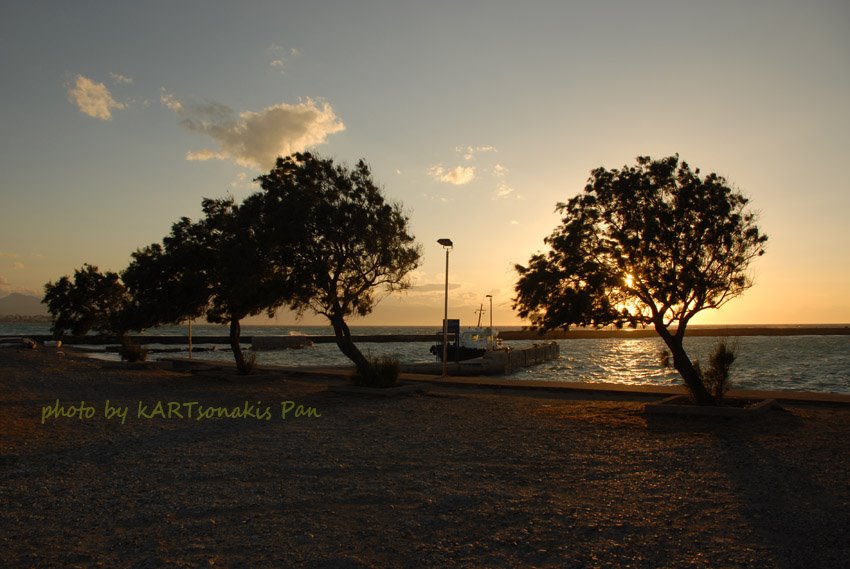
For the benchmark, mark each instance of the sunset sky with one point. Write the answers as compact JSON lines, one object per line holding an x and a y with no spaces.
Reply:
{"x":118,"y":117}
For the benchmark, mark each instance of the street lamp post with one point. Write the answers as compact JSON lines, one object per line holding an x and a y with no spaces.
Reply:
{"x":447,"y":245}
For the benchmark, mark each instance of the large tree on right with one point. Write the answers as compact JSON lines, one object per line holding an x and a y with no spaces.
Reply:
{"x":650,"y":244}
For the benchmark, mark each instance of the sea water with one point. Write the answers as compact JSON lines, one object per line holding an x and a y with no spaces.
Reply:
{"x":800,"y":363}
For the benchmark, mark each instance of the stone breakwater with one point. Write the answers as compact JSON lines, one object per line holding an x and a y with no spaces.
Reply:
{"x":576,"y":334}
{"x":264,"y":340}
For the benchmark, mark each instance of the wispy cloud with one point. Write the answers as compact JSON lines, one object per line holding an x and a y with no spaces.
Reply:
{"x":441,"y":199}
{"x":93,"y":99}
{"x":503,"y":190}
{"x":169,"y":101}
{"x":7,"y":287}
{"x":255,"y":139}
{"x":458,"y":176}
{"x":281,"y":57}
{"x":204,"y":155}
{"x":484,"y":168}
{"x":119,"y":79}
{"x":243,"y":181}
{"x":469,"y":152}
{"x":433,"y":287}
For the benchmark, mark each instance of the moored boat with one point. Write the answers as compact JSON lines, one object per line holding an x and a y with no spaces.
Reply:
{"x":470,"y":343}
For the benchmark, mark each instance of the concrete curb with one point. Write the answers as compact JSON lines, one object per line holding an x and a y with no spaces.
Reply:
{"x":379,"y":391}
{"x":678,"y":405}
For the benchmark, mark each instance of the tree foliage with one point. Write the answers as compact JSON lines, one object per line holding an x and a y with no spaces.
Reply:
{"x":336,"y":239}
{"x":215,"y":267}
{"x":319,"y":237}
{"x":167,"y":281}
{"x":651,"y":244}
{"x":91,"y":301}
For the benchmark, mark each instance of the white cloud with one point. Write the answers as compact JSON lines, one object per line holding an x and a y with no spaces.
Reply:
{"x":17,"y":265}
{"x":514,"y":222}
{"x":256,"y":139}
{"x":458,"y":176}
{"x":500,"y":171}
{"x":93,"y":99}
{"x":119,"y":79}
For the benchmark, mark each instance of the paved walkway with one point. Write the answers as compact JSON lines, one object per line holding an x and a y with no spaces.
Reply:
{"x":566,"y":388}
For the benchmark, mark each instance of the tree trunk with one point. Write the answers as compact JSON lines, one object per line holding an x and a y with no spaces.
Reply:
{"x":235,"y":331}
{"x":685,"y":367}
{"x":346,"y":345}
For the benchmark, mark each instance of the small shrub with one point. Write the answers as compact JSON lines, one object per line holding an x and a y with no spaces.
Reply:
{"x":131,"y":351}
{"x":718,"y":377}
{"x":383,"y":372}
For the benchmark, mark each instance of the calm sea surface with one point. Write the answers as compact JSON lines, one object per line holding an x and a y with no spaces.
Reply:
{"x":801,"y":363}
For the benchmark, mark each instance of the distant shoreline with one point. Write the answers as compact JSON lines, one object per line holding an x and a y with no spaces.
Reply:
{"x":508,"y":335}
{"x":575,"y":334}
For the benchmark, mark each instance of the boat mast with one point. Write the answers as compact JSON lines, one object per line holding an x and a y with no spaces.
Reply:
{"x":480,"y":311}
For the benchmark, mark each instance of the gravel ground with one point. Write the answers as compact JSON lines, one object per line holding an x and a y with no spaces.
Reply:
{"x":451,"y":478}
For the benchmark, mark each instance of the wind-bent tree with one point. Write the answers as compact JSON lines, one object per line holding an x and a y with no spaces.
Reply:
{"x":91,"y":301}
{"x":242,"y":279}
{"x":338,"y":241}
{"x":652,"y":244}
{"x":214,"y":267}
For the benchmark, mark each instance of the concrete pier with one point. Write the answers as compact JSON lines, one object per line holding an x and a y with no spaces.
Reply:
{"x":497,"y":362}
{"x":512,"y":360}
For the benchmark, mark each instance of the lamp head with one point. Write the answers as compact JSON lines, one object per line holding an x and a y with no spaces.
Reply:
{"x":445,"y":242}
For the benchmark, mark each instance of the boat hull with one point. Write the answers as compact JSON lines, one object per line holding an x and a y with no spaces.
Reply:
{"x":457,"y":354}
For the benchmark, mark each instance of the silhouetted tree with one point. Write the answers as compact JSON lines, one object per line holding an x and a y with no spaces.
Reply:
{"x":214,"y":267}
{"x":652,"y":244}
{"x":166,"y":281}
{"x":241,"y":276}
{"x":91,"y":301}
{"x":335,"y":240}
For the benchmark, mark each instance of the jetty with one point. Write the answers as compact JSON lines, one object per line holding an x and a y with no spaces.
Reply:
{"x":496,"y":362}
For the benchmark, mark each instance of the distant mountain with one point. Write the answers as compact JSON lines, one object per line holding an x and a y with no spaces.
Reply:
{"x":17,"y":304}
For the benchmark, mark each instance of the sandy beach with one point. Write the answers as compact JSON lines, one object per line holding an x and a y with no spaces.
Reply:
{"x":299,"y":476}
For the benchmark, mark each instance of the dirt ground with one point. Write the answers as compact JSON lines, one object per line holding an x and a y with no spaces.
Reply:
{"x":449,"y":478}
